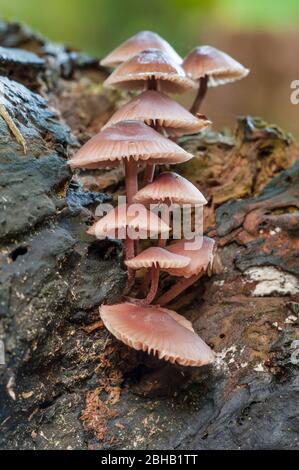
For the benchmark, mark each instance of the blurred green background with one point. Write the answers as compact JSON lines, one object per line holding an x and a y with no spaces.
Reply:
{"x":98,"y":25}
{"x":262,"y":34}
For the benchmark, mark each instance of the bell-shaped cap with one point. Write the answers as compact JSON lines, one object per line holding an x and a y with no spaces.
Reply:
{"x":157,"y":257}
{"x":158,"y":331}
{"x":123,"y":219}
{"x":132,"y":46}
{"x":156,"y":109}
{"x":217,"y":65}
{"x":149,"y":64}
{"x":171,"y":188}
{"x":124,"y":140}
{"x":200,"y":258}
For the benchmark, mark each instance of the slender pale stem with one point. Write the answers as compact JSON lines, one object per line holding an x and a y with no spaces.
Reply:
{"x":129,"y":254}
{"x":201,"y":93}
{"x":131,"y":179}
{"x":131,"y":189}
{"x":148,"y":174}
{"x":162,"y":242}
{"x":145,"y":282}
{"x":177,"y":289}
{"x":149,"y":171}
{"x":155,"y":272}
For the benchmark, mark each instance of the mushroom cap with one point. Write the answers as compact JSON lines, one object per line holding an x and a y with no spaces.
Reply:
{"x":124,"y":140}
{"x":159,"y":331}
{"x":148,"y":64}
{"x":134,"y":217}
{"x":200,"y":258}
{"x":137,"y":43}
{"x":156,"y":256}
{"x":155,"y":108}
{"x":219,"y":66}
{"x":171,"y":187}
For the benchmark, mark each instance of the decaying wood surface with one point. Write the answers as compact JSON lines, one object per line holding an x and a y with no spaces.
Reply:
{"x":66,"y":382}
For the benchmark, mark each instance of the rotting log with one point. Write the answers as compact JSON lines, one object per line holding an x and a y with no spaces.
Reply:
{"x":66,"y":382}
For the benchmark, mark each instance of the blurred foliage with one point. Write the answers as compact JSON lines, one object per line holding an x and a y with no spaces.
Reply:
{"x":267,"y":14}
{"x":255,"y":32}
{"x":99,"y":25}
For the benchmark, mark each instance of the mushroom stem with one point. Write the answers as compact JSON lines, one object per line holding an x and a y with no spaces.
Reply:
{"x":177,"y":289}
{"x":201,"y":93}
{"x":151,"y":84}
{"x":145,"y":282}
{"x":129,"y":249}
{"x":129,"y":254}
{"x":155,"y":272}
{"x":148,"y":174}
{"x":162,"y":242}
{"x":131,"y":179}
{"x":131,"y":189}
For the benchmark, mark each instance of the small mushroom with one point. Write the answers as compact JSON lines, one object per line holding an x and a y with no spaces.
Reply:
{"x":158,"y":331}
{"x":170,"y":188}
{"x":134,"y":218}
{"x":151,"y":69}
{"x":137,"y":43}
{"x":129,"y":142}
{"x":156,"y":259}
{"x":200,"y":260}
{"x":211,"y":67}
{"x":124,"y":217}
{"x":160,"y":112}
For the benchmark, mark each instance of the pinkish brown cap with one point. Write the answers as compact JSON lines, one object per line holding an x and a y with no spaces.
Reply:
{"x":149,"y":64}
{"x":157,"y":331}
{"x":157,"y":257}
{"x":124,"y":140}
{"x":156,"y":109}
{"x":134,"y":217}
{"x":217,"y":65}
{"x":132,"y":46}
{"x":172,"y":188}
{"x":181,"y":320}
{"x":200,"y":258}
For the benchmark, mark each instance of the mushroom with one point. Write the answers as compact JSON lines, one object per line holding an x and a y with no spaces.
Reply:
{"x":125,"y":220}
{"x":169,"y":187}
{"x":160,"y":112}
{"x":130,"y":142}
{"x":151,"y":69}
{"x":156,"y":259}
{"x":211,"y":67}
{"x":200,"y":258}
{"x":158,"y":331}
{"x":137,"y":43}
{"x":134,"y":218}
{"x":172,"y":188}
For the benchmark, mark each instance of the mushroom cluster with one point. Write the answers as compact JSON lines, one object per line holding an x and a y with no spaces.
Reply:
{"x":142,"y":134}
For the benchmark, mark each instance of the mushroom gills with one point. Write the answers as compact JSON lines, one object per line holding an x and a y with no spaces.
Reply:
{"x":157,"y":331}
